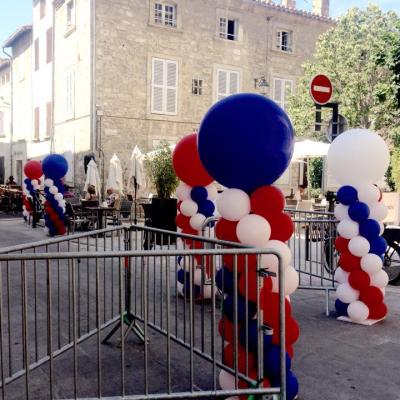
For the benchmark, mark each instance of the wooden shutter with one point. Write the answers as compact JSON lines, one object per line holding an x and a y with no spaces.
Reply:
{"x":36,"y":54}
{"x":171,"y":87}
{"x":233,"y":82}
{"x":37,"y":123}
{"x":288,"y":89}
{"x":49,"y":118}
{"x":157,"y":97}
{"x":49,"y":45}
{"x":222,"y":84}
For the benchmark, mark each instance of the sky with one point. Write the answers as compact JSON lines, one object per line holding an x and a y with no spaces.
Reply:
{"x":14,"y":13}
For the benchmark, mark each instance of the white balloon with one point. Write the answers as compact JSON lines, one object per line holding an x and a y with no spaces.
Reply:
{"x":34,"y":182}
{"x":378,"y":211}
{"x":183,"y":192}
{"x":197,"y":221}
{"x":53,"y":190}
{"x":346,"y":293}
{"x":207,"y":291}
{"x":46,"y":230}
{"x":383,"y":290}
{"x":197,"y":276}
{"x":48,"y":182}
{"x":371,"y":263}
{"x":368,"y":193}
{"x":358,"y":311}
{"x":348,"y":228}
{"x":341,"y":212}
{"x":189,"y":208}
{"x":62,"y":203}
{"x":179,"y":288}
{"x":341,"y":276}
{"x":359,"y":246}
{"x":212,"y":192}
{"x":58,"y":196}
{"x":226,"y":380}
{"x":291,"y":280}
{"x":270,"y":261}
{"x":233,"y":204}
{"x":382,"y":228}
{"x":358,"y":156}
{"x":380,"y":279}
{"x":253,"y":230}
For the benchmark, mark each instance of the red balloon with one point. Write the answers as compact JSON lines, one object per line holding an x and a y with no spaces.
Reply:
{"x":269,"y":303}
{"x":342,"y":244}
{"x":187,"y":164}
{"x":349,"y":263}
{"x":282,"y":226}
{"x":371,"y":296}
{"x":292,"y":331}
{"x":266,"y":201}
{"x":229,"y":358}
{"x":226,"y":329}
{"x":226,"y":230}
{"x":378,"y":311}
{"x":359,"y":279}
{"x":182,"y":221}
{"x":251,"y":285}
{"x":33,"y":169}
{"x":242,"y":260}
{"x":290,"y":351}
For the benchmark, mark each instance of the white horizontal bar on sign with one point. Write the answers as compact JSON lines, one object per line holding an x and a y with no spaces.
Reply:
{"x":322,"y":89}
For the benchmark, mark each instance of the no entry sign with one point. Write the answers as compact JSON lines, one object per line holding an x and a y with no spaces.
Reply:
{"x":321,"y":89}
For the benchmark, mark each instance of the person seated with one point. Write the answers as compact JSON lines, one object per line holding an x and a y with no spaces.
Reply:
{"x":91,"y":193}
{"x":112,"y":197}
{"x":68,"y":193}
{"x":10,"y":181}
{"x":301,"y":191}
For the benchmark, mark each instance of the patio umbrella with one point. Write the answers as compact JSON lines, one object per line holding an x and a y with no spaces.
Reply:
{"x":114,"y":180}
{"x":136,"y":173}
{"x":93,"y":178}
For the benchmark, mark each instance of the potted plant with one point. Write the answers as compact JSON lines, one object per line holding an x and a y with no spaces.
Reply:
{"x":161,"y":173}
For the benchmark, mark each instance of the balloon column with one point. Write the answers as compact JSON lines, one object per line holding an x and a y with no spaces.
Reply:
{"x":196,"y":195}
{"x":358,"y":159}
{"x":54,"y":167}
{"x":33,"y":172}
{"x":245,"y":143}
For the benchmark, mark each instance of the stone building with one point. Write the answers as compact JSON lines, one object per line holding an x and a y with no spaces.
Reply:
{"x":5,"y":119}
{"x":137,"y":72}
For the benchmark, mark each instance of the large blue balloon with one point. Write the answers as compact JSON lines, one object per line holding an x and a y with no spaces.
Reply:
{"x":55,"y":166}
{"x":246,"y":141}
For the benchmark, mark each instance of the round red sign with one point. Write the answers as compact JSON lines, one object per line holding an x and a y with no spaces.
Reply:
{"x":321,"y":89}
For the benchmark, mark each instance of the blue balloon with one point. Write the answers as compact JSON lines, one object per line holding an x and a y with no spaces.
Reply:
{"x":206,"y":208}
{"x":196,"y":290}
{"x":241,"y":309}
{"x":292,"y":385}
{"x":358,"y":211}
{"x":341,"y":308}
{"x":27,"y":181}
{"x":199,"y":194}
{"x":224,"y":280}
{"x":252,"y":337}
{"x":370,"y":229}
{"x":181,"y":276}
{"x":55,"y":166}
{"x":347,"y":195}
{"x":246,"y":141}
{"x":378,"y":246}
{"x":272,"y":362}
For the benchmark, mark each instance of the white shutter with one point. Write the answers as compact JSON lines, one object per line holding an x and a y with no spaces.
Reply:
{"x":222,"y":84}
{"x":171,"y":87}
{"x":278,"y":91}
{"x":233,"y":82}
{"x":287,"y":92}
{"x":1,"y":123}
{"x":157,"y":96}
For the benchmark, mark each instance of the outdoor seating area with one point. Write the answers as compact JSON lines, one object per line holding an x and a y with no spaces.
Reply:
{"x":10,"y":199}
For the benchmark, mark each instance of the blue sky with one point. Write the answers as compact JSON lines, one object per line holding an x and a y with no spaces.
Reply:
{"x":14,"y":13}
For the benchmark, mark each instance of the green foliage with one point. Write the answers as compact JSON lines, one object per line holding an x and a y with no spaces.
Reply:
{"x":316,"y":170}
{"x":361,"y":55}
{"x":315,"y":193}
{"x":161,"y":172}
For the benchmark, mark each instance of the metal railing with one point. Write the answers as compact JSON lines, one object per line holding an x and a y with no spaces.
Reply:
{"x":67,"y":306}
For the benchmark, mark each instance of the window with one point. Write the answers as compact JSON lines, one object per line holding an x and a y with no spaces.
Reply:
{"x":165,"y":14}
{"x":164,"y":87}
{"x":2,"y":133}
{"x":49,"y":119}
{"x":227,"y":83}
{"x":228,"y":29}
{"x":70,"y":14}
{"x":284,"y":41}
{"x":36,"y":54}
{"x":37,"y":124}
{"x":69,"y":94}
{"x":49,"y":45}
{"x":283,"y":89}
{"x":197,"y":87}
{"x":42,"y":8}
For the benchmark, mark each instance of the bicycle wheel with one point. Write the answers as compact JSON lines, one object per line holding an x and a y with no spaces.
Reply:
{"x":391,"y":263}
{"x":330,"y":255}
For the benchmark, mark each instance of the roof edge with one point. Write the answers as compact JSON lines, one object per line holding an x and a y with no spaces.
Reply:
{"x":16,"y":35}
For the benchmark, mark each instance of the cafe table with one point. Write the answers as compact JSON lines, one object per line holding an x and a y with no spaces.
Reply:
{"x":101,"y":212}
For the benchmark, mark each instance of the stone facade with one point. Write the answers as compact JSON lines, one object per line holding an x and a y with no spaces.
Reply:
{"x":5,"y":119}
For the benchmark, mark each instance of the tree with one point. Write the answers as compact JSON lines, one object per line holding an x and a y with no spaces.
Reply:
{"x":361,"y":54}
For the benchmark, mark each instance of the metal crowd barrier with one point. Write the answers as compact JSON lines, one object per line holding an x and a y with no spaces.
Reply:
{"x":68,"y":305}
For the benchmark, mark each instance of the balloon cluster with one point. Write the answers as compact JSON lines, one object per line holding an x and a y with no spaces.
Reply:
{"x":196,"y":195}
{"x":246,"y":142}
{"x":361,"y":279}
{"x":55,"y":167}
{"x":33,"y":172}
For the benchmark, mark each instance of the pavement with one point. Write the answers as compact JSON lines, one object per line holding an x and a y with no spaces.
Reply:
{"x":333,"y":360}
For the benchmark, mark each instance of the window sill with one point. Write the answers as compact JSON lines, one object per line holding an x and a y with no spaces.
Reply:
{"x":286,"y":53}
{"x":70,"y":30}
{"x":237,"y":41}
{"x":166,"y":27}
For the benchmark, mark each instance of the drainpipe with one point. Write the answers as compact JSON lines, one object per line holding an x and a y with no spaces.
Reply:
{"x":53,"y":80}
{"x":93,"y":109}
{"x":9,"y":56}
